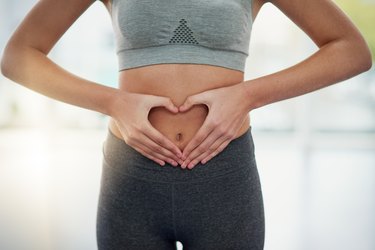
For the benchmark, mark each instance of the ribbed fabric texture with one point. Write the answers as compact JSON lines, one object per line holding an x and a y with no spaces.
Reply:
{"x":213,"y":32}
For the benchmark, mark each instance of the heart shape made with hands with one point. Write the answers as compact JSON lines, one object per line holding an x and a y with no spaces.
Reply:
{"x":213,"y":137}
{"x":201,"y":111}
{"x":192,"y":112}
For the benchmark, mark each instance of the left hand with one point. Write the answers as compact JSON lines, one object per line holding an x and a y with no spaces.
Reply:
{"x":227,"y":110}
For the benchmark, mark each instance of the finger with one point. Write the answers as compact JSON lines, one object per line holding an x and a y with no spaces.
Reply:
{"x":144,"y":153}
{"x":143,"y":144}
{"x":204,"y":131}
{"x":156,"y":148}
{"x":217,"y":151}
{"x":167,"y":103}
{"x":160,"y":139}
{"x":209,"y":151}
{"x":202,"y":148}
{"x":154,"y":154}
{"x":191,"y":101}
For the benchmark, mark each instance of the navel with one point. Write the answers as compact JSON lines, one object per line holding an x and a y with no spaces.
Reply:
{"x":179,"y":137}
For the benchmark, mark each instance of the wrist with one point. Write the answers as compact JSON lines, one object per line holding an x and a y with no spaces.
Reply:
{"x":117,"y":101}
{"x":252,"y":100}
{"x":249,"y":98}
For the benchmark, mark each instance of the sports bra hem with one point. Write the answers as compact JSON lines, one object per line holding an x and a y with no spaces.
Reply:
{"x":181,"y":53}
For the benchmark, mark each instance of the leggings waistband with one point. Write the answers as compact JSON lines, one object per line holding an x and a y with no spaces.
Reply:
{"x":237,"y":158}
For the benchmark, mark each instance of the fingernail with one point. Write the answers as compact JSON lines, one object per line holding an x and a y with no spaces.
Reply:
{"x":175,"y":164}
{"x":191,"y":165}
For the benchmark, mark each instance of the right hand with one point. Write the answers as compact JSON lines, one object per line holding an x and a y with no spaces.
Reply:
{"x":130,"y":112}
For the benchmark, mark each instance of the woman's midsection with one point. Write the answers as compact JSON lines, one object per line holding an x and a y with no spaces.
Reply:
{"x":177,"y":81}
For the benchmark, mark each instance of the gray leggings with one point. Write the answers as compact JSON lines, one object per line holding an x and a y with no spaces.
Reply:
{"x":145,"y":206}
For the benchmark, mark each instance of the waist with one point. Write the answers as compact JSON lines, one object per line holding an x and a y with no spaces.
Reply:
{"x":123,"y":159}
{"x":177,"y":81}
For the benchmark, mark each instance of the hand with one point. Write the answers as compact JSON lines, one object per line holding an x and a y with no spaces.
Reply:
{"x":227,"y":112}
{"x":131,"y":116}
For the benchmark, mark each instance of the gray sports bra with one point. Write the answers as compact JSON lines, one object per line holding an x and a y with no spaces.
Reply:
{"x":214,"y":32}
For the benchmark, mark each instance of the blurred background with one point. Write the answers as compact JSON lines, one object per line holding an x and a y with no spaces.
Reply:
{"x":315,"y":152}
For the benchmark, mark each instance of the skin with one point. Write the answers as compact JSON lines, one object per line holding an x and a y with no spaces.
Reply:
{"x":184,"y":113}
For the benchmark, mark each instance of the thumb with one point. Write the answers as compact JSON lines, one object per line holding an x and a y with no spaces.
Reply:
{"x":168,"y":104}
{"x":189,"y":102}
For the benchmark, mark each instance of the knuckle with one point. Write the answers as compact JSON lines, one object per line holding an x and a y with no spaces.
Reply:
{"x":199,"y":139}
{"x":136,"y":128}
{"x":157,"y":148}
{"x":159,"y":140}
{"x":162,"y":141}
{"x":148,"y":151}
{"x":163,"y":151}
{"x":227,"y":135}
{"x":222,"y":131}
{"x":215,"y":123}
{"x":133,"y":134}
{"x":156,"y":155}
{"x":202,"y":149}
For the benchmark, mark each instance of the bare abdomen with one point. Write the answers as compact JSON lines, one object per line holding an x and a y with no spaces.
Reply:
{"x":177,"y":81}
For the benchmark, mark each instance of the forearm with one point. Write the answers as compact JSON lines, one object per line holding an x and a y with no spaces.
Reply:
{"x":34,"y":70}
{"x":332,"y":63}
